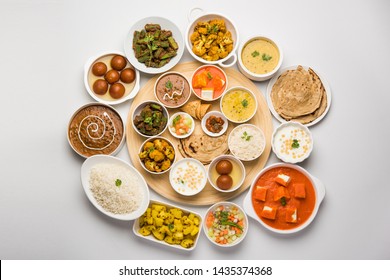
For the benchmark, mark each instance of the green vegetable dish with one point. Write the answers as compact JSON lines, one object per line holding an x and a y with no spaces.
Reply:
{"x":154,"y":47}
{"x":151,"y":121}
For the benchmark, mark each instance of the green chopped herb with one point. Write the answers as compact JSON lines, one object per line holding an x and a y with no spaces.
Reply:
{"x":171,"y":227}
{"x":176,"y":119}
{"x":266,"y":57}
{"x":246,"y":136}
{"x":244,"y":103}
{"x":283,"y":201}
{"x":169,"y":84}
{"x":255,"y":53}
{"x":224,"y":220}
{"x":148,"y":120}
{"x":209,"y":76}
{"x":295,"y":144}
{"x":118,"y":182}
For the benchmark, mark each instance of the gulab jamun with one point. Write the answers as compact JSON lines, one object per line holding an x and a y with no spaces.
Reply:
{"x":100,"y":86}
{"x":118,"y":62}
{"x":99,"y":69}
{"x":112,"y":76}
{"x":117,"y":90}
{"x":127,"y":75}
{"x":224,"y":167}
{"x":224,"y":182}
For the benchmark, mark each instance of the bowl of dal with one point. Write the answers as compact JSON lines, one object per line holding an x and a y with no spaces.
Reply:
{"x":238,"y":104}
{"x":259,"y":58}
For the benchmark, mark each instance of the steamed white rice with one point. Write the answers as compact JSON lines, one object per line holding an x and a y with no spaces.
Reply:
{"x":122,"y":199}
{"x":246,"y":142}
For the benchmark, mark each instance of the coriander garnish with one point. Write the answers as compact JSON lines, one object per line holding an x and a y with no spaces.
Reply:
{"x":209,"y":76}
{"x":266,"y":57}
{"x":255,"y":53}
{"x":118,"y":183}
{"x":283,"y":201}
{"x":168,"y":84}
{"x":246,"y":136}
{"x":244,"y":103}
{"x":295,"y":144}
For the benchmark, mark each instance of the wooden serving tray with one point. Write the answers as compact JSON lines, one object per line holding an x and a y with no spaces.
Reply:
{"x":160,"y":182}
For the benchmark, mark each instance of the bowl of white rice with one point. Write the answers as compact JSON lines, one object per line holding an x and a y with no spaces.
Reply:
{"x":246,"y":142}
{"x":115,"y":187}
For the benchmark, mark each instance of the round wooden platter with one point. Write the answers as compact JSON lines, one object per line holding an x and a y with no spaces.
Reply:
{"x":160,"y":182}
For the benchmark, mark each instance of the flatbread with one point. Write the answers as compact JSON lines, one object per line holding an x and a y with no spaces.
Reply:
{"x":299,"y":95}
{"x":196,"y":109}
{"x":203,"y":147}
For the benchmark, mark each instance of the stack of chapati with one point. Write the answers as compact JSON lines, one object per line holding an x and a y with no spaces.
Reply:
{"x":299,"y":95}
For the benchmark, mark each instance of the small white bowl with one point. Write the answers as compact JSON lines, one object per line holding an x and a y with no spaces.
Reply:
{"x":179,"y":183}
{"x":99,"y":159}
{"x":234,"y":161}
{"x":197,"y":91}
{"x":95,"y":125}
{"x":171,"y":128}
{"x":319,"y":190}
{"x":131,"y":89}
{"x":226,"y":205}
{"x":151,"y":238}
{"x":182,"y":100}
{"x":140,"y":107}
{"x":254,"y":76}
{"x":141,"y":149}
{"x":238,"y":88}
{"x":230,"y":26}
{"x":239,"y":139}
{"x":283,"y":144}
{"x":219,"y":115}
{"x":165,"y":25}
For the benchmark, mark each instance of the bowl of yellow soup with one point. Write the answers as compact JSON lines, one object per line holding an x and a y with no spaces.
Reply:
{"x":259,"y":58}
{"x":238,"y":104}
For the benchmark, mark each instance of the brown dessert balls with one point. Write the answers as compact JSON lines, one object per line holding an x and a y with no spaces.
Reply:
{"x":99,"y":69}
{"x":127,"y":75}
{"x":112,"y":76}
{"x":117,"y":90}
{"x":100,"y":86}
{"x":118,"y":62}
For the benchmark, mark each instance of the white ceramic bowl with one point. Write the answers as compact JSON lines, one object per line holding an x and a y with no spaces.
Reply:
{"x":151,"y":238}
{"x":219,"y":115}
{"x":141,"y":149}
{"x":197,"y":91}
{"x":184,"y":101}
{"x":171,"y":128}
{"x":319,"y":190}
{"x":235,"y":161}
{"x":251,"y":75}
{"x":131,"y":89}
{"x":230,"y":26}
{"x":140,"y":107}
{"x":235,"y":89}
{"x":239,"y":139}
{"x":286,"y":148}
{"x":226,"y":205}
{"x":96,"y":128}
{"x":100,"y":159}
{"x":178,"y":181}
{"x":165,"y":25}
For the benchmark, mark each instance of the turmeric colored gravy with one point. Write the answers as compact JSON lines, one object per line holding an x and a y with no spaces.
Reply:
{"x":283,"y":198}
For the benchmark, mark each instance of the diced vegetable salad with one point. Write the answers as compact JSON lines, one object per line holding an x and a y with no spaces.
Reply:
{"x":225,"y":224}
{"x":181,"y":125}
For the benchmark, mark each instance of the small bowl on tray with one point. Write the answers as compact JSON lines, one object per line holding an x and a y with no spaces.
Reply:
{"x":181,"y":125}
{"x":214,"y":124}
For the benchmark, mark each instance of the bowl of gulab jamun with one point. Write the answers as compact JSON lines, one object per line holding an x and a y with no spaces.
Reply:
{"x":226,"y":173}
{"x":110,"y":78}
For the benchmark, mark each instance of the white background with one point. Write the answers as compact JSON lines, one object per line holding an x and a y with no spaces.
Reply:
{"x":44,"y":213}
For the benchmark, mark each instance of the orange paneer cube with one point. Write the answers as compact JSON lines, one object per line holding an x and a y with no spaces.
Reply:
{"x":291,"y":215}
{"x":200,"y":80}
{"x":281,"y":192}
{"x":260,"y":193}
{"x":300,"y":191}
{"x":283,"y":179}
{"x":269,"y":212}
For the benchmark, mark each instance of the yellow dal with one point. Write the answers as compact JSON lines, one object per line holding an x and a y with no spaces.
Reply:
{"x":254,"y":62}
{"x":233,"y":108}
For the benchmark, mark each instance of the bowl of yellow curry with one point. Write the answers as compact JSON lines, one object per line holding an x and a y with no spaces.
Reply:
{"x":259,"y":58}
{"x":212,"y":38}
{"x":238,"y":104}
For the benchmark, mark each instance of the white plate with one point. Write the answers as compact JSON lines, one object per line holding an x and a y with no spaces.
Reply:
{"x":165,"y":25}
{"x":85,"y":173}
{"x":319,"y":189}
{"x":273,"y":81}
{"x":151,"y":238}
